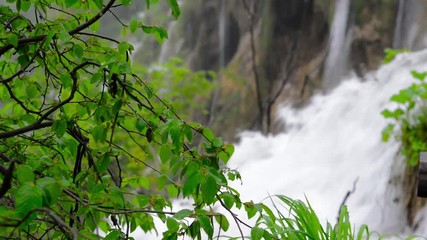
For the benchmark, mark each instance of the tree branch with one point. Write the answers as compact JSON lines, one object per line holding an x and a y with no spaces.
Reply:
{"x":39,"y":123}
{"x":23,"y":41}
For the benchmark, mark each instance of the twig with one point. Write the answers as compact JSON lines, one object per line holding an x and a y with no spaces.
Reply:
{"x":236,"y":219}
{"x":347,"y":195}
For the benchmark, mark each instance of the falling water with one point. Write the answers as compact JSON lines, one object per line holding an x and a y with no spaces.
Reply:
{"x":400,"y":25}
{"x":410,"y":31}
{"x":221,"y":34}
{"x":339,"y":45}
{"x":332,"y":144}
{"x":168,"y":46}
{"x":221,"y":57}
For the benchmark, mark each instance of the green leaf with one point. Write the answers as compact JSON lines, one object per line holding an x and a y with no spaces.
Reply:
{"x":96,"y":77}
{"x":256,"y":233}
{"x":144,"y":182}
{"x":165,"y":153}
{"x":99,"y":133}
{"x":70,"y":3}
{"x":51,"y":190}
{"x":117,"y":106}
{"x":66,"y":80}
{"x":223,"y":222}
{"x":192,"y":182}
{"x":140,"y":125}
{"x":78,"y":51}
{"x":59,"y":127}
{"x":173,"y":191}
{"x":180,"y":215}
{"x":64,"y":36}
{"x":134,"y":25}
{"x":387,"y":131}
{"x":209,"y":135}
{"x":250,"y":209}
{"x":48,"y":39}
{"x":102,"y":114}
{"x":401,"y":97}
{"x":217,"y":142}
{"x":209,"y":189}
{"x":27,"y":198}
{"x":205,"y":223}
{"x":31,"y":90}
{"x":95,"y":26}
{"x":13,"y":39}
{"x":25,"y":174}
{"x":124,"y":47}
{"x":390,"y":54}
{"x":25,"y":5}
{"x":172,"y":224}
{"x":188,"y":132}
{"x":228,"y":199}
{"x":419,"y":75}
{"x":103,"y":163}
{"x":194,"y":230}
{"x":226,"y":154}
{"x":173,"y":4}
{"x":99,"y":4}
{"x":23,"y":60}
{"x":125,"y":2}
{"x":113,"y":235}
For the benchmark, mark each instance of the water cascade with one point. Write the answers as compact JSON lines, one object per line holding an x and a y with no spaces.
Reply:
{"x":330,"y":146}
{"x":339,"y":45}
{"x":222,"y":21}
{"x":410,"y":31}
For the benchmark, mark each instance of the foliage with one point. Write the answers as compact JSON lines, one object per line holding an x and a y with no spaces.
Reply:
{"x":187,"y":92}
{"x":74,"y":115}
{"x":390,"y":54}
{"x":294,"y":219}
{"x":410,"y":118}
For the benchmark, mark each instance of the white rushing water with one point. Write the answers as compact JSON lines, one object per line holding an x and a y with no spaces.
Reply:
{"x":329,"y":144}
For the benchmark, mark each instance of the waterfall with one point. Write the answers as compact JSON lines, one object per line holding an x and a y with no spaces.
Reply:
{"x":410,"y":31}
{"x":330,"y":144}
{"x":221,"y":57}
{"x":400,"y":23}
{"x":339,"y":45}
{"x":172,"y":45}
{"x":221,"y":34}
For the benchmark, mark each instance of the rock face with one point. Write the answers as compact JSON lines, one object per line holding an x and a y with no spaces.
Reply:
{"x":281,"y":60}
{"x":285,"y":57}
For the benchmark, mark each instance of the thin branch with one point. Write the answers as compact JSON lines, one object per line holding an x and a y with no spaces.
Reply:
{"x":236,"y":219}
{"x":39,"y":123}
{"x":35,"y":126}
{"x":347,"y":195}
{"x":251,"y":16}
{"x":99,"y":36}
{"x":60,"y":223}
{"x":117,"y":18}
{"x":22,"y":70}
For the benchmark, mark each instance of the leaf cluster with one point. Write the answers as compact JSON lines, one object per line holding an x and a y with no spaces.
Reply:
{"x":75,"y":115}
{"x":409,"y":118}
